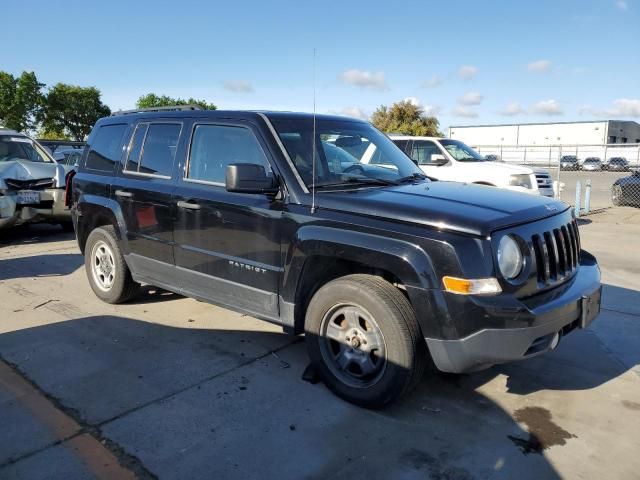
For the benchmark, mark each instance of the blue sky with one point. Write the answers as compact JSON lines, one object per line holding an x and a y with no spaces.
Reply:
{"x":469,"y":62}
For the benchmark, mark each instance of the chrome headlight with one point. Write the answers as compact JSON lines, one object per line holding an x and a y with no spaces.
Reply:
{"x":510,"y":260}
{"x":520,"y":180}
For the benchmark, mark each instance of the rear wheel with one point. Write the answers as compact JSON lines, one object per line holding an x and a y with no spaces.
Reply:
{"x":107,"y":271}
{"x":363,"y":339}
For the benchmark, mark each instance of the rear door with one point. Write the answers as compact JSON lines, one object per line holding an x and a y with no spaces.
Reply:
{"x":227,"y":245}
{"x":144,"y":191}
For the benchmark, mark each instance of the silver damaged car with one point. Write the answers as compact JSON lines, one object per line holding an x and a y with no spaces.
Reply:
{"x":32,"y":183}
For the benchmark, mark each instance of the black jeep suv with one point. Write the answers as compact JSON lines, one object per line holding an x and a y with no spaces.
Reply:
{"x":322,"y":225}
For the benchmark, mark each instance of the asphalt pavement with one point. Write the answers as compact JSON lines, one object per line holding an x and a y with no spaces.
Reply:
{"x":168,"y":387}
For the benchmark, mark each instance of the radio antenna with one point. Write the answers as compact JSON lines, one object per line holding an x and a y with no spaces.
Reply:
{"x":313,"y":155}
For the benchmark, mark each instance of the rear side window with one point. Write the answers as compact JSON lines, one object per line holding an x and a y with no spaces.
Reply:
{"x":153,"y":149}
{"x":213,"y":147}
{"x":401,"y":144}
{"x":106,"y":147}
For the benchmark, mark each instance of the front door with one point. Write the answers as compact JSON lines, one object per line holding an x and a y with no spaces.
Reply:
{"x":227,"y":245}
{"x":421,"y":152}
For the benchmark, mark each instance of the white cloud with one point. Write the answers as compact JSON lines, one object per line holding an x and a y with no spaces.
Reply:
{"x":511,"y":109}
{"x":539,"y":66}
{"x":547,"y":107}
{"x":464,"y":112}
{"x":355,"y":112}
{"x":467,"y":72}
{"x":622,"y":5}
{"x":470,"y":98}
{"x":364,"y":79}
{"x":434,"y":81}
{"x":587,"y":110}
{"x":625,"y":107}
{"x":430,"y":110}
{"x":238,"y":86}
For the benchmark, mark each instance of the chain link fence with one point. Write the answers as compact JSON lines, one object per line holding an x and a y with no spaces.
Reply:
{"x":604,"y":175}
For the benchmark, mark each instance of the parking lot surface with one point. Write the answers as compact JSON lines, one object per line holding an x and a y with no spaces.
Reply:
{"x":168,"y":387}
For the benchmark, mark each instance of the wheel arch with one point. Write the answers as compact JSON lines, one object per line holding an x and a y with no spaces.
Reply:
{"x":93,"y":212}
{"x":321,"y":254}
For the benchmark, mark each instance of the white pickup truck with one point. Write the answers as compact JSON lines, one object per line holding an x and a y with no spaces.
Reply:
{"x":446,"y":159}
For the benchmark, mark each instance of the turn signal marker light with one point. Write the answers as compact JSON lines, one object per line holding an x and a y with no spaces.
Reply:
{"x":478,"y":286}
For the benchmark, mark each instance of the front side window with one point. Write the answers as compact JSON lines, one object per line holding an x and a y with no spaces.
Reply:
{"x":153,"y":148}
{"x":422,"y":150}
{"x":461,"y":151}
{"x":347,"y":153}
{"x":106,"y":147}
{"x":213,"y":147}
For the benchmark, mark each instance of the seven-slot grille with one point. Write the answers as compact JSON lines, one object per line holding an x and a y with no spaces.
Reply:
{"x":39,"y":184}
{"x":557,"y":253}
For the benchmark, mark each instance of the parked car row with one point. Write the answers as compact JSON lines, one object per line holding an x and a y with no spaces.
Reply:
{"x":594,"y":164}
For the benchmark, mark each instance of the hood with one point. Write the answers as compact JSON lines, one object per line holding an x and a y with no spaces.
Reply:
{"x":26,"y":170}
{"x":500,"y":168}
{"x":466,"y":208}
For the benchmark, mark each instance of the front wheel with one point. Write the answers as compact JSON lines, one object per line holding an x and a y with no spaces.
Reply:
{"x":108,"y":274}
{"x":364,"y":341}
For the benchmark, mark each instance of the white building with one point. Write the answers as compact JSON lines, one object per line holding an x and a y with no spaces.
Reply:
{"x":544,"y":134}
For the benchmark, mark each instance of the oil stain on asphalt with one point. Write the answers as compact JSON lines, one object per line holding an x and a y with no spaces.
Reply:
{"x":543,"y":433}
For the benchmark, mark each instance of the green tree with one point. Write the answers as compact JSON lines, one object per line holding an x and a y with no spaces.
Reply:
{"x":406,"y":118}
{"x":73,"y":110}
{"x":52,"y":135}
{"x":21,"y":101}
{"x":151,"y":100}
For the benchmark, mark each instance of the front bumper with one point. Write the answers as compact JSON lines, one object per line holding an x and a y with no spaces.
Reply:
{"x":50,"y":209}
{"x":548,"y":316}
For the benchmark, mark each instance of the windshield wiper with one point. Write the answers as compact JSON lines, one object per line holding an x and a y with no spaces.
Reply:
{"x":410,"y":178}
{"x":357,"y":181}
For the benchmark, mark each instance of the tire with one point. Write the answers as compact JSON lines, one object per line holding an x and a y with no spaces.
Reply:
{"x":341,"y":317}
{"x":108,"y":273}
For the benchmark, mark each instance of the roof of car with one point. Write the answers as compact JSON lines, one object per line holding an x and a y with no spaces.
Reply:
{"x":230,"y":114}
{"x":411,"y":137}
{"x":8,"y":131}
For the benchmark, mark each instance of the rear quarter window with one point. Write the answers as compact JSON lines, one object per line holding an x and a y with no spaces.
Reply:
{"x":106,"y":148}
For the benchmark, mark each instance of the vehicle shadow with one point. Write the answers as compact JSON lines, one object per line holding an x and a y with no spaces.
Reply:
{"x":231,"y":403}
{"x":44,"y":265}
{"x":34,"y":233}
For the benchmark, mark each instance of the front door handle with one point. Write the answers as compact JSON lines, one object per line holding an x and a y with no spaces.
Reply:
{"x":123,"y":194}
{"x":188,"y":205}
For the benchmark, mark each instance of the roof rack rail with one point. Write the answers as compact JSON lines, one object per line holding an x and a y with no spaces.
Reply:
{"x":172,"y":108}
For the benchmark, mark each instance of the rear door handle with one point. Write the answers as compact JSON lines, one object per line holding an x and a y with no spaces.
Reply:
{"x":188,"y":205}
{"x":123,"y":194}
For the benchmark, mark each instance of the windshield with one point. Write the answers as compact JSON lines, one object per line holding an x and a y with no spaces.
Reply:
{"x":461,"y":151}
{"x":21,"y":148}
{"x":347,"y":153}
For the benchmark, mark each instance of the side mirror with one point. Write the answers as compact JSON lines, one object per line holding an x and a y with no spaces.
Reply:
{"x":438,"y":159}
{"x":249,"y":178}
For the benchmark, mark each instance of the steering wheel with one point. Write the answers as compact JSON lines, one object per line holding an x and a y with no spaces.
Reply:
{"x":354,"y":168}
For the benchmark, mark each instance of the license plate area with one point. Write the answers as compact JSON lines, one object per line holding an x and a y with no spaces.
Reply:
{"x":28,"y":197}
{"x":590,"y":307}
